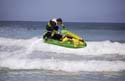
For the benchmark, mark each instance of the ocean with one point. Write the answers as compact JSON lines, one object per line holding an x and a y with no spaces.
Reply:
{"x":25,"y":57}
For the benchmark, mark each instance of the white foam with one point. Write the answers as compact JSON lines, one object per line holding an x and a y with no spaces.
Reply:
{"x":13,"y":58}
{"x":63,"y":65}
{"x":93,"y":48}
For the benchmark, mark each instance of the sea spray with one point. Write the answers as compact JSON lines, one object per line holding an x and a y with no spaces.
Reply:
{"x":17,"y":53}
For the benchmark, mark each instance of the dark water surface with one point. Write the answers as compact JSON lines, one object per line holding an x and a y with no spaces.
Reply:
{"x":60,"y":76}
{"x":90,"y":31}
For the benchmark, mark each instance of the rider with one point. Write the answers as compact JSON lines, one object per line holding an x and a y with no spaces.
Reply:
{"x":52,"y":32}
{"x":52,"y":29}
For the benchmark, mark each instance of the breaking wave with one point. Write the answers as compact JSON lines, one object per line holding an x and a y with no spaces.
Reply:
{"x":31,"y":54}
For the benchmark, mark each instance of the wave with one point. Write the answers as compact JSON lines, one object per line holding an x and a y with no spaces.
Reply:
{"x":37,"y":44}
{"x":17,"y":53}
{"x":63,"y":65}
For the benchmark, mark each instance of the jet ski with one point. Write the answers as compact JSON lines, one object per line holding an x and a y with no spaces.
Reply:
{"x":70,"y":40}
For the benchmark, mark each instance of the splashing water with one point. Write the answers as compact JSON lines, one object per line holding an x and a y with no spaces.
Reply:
{"x":35,"y":54}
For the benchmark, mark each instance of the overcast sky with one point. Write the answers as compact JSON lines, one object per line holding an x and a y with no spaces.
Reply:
{"x":68,"y":10}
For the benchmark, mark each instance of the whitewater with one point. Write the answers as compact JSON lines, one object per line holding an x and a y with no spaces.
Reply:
{"x":35,"y":54}
{"x":23,"y":48}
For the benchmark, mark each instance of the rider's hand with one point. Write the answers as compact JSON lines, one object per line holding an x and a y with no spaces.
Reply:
{"x":62,"y":25}
{"x":58,"y":32}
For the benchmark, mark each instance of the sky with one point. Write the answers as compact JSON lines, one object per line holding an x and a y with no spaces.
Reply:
{"x":68,"y":10}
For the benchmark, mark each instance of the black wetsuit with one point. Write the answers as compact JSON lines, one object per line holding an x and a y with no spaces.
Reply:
{"x":49,"y":32}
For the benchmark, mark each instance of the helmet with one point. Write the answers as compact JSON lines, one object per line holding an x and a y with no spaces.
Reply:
{"x":52,"y":23}
{"x":59,"y":20}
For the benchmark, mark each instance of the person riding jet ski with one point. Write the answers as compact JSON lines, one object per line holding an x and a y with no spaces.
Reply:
{"x":52,"y":29}
{"x":52,"y":33}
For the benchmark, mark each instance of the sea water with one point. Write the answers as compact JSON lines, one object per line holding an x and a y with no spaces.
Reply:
{"x":25,"y":57}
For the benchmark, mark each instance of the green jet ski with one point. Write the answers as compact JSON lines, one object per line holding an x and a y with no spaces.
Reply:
{"x":69,"y":43}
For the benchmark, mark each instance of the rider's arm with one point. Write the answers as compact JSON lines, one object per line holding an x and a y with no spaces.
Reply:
{"x":63,"y":26}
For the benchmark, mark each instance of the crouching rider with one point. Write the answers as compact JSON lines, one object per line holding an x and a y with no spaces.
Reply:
{"x":52,"y":33}
{"x":52,"y":29}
